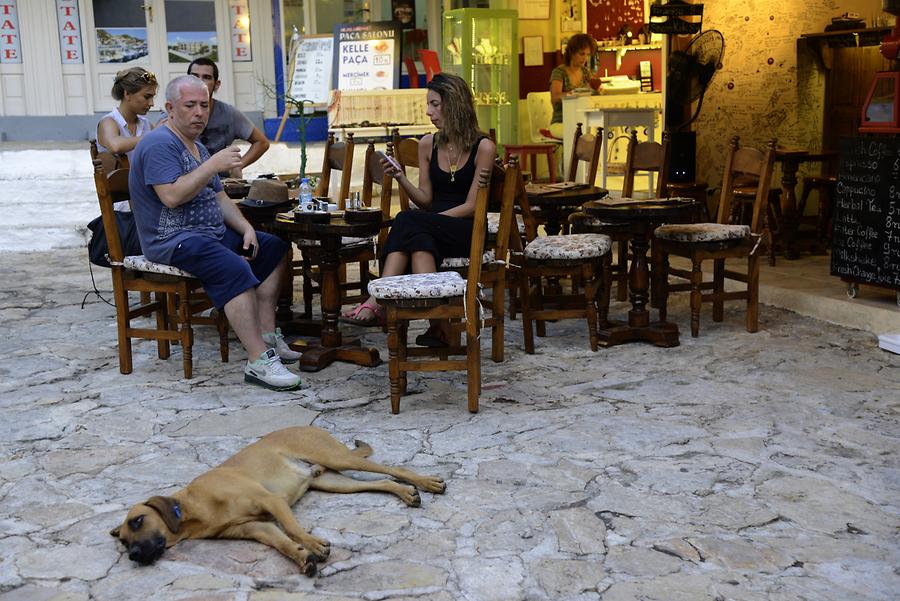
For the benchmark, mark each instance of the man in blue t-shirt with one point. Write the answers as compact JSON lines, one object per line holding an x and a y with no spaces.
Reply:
{"x":184,"y":219}
{"x":226,"y":124}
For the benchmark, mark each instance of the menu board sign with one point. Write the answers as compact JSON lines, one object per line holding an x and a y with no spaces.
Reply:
{"x":866,"y":236}
{"x":311,"y":79}
{"x":367,"y":56}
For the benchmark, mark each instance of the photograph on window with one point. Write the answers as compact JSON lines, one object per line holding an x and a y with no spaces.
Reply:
{"x":121,"y":29}
{"x":191,"y":30}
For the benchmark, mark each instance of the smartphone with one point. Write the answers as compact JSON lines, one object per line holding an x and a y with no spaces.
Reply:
{"x":246,"y":252}
{"x":389,"y":159}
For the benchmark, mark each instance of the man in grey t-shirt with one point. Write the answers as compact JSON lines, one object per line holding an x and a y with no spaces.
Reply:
{"x":226,"y":123}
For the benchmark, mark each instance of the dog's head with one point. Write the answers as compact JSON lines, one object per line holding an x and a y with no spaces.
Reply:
{"x":148,"y":528}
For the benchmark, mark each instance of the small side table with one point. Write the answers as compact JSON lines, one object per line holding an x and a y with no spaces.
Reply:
{"x":533,"y":151}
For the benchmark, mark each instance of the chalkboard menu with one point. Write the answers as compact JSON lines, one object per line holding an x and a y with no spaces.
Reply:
{"x":866,"y":237}
{"x":311,"y":79}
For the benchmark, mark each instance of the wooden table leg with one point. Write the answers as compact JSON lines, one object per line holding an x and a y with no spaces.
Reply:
{"x":332,"y":347}
{"x":789,"y":218}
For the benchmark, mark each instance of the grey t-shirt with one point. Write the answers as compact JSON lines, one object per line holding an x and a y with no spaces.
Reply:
{"x":226,"y":124}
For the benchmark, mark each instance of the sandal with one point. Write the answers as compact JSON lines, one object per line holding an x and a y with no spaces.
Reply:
{"x":432,"y":338}
{"x":376,"y":319}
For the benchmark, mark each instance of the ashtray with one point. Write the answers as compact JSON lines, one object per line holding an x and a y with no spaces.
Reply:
{"x":362,"y":215}
{"x":312,"y":216}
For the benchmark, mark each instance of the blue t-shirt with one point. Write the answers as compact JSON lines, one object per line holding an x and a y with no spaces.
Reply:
{"x":161,"y":158}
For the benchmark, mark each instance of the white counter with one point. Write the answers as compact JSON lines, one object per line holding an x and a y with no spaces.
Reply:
{"x":609,"y":110}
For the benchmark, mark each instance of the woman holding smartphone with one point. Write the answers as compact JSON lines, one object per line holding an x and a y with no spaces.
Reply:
{"x":445,"y":196}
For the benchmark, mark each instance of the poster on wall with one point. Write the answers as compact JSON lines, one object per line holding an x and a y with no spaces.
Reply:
{"x":239,"y":14}
{"x":10,"y":45}
{"x":121,"y":30}
{"x":69,"y":31}
{"x":367,"y":56}
{"x":191,"y":30}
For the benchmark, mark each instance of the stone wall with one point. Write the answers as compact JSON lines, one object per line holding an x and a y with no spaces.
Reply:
{"x":769,"y":84}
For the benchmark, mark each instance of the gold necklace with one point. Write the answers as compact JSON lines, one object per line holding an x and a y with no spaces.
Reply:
{"x":453,"y":163}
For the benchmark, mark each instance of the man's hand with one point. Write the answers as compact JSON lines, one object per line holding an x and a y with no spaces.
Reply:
{"x":250,"y":240}
{"x":236,"y":173}
{"x":226,"y":159}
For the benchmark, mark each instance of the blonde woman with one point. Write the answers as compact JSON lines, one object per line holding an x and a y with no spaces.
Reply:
{"x":448,"y":161}
{"x":121,"y":129}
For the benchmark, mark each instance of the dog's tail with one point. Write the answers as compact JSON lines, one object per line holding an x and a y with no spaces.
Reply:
{"x":362,"y":449}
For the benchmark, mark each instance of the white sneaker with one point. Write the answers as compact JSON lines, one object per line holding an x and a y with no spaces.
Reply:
{"x":268,"y":371}
{"x":276,"y":340}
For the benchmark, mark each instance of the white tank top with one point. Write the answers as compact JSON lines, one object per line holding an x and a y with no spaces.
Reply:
{"x":143,"y":127}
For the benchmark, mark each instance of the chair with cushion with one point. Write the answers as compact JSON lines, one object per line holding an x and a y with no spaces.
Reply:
{"x":495,"y":257}
{"x":720,"y":241}
{"x":442,"y":295}
{"x":177,"y":296}
{"x":584,"y":258}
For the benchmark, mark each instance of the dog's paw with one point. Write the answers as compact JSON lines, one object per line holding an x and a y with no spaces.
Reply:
{"x":310,"y":567}
{"x":410,"y":496}
{"x":432,"y":484}
{"x":320,"y":548}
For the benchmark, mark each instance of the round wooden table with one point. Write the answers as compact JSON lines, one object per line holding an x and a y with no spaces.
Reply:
{"x":332,"y":347}
{"x":639,"y":216}
{"x":556,"y":206}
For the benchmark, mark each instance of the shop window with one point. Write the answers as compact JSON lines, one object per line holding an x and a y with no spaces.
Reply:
{"x":191,"y":30}
{"x":121,"y":30}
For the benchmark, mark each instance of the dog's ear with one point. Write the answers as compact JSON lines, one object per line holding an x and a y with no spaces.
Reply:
{"x":168,"y":510}
{"x":115,"y":532}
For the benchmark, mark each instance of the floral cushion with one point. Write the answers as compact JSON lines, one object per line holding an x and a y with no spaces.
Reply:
{"x":346,"y":241}
{"x":457,"y":262}
{"x":493,"y":223}
{"x":419,"y":285}
{"x":702,"y":232}
{"x":142,"y":263}
{"x":573,"y":246}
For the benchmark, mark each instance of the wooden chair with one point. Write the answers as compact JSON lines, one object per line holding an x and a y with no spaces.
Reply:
{"x":338,"y":157}
{"x":501,"y":198}
{"x":720,"y":241}
{"x":646,"y":156}
{"x":111,"y":161}
{"x":442,"y":295}
{"x":585,"y":149}
{"x":177,"y":297}
{"x":584,"y":258}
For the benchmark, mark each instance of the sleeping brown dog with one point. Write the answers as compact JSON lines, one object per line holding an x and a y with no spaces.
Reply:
{"x":250,"y":495}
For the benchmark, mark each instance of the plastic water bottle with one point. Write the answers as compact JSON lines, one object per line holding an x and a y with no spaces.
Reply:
{"x":305,"y":193}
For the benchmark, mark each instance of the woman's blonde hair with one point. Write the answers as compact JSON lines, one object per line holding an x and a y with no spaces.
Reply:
{"x":577,"y":43}
{"x":132,"y":80}
{"x":459,"y":123}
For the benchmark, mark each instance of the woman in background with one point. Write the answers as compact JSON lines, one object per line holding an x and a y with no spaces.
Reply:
{"x":121,"y":129}
{"x":573,"y":74}
{"x":442,"y":227}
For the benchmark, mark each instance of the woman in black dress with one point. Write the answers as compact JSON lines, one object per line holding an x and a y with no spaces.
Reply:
{"x":448,"y":161}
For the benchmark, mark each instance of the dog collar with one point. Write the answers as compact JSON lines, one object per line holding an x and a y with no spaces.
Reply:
{"x":176,"y":509}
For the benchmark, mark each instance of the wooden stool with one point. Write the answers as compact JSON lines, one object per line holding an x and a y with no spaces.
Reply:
{"x":533,"y":150}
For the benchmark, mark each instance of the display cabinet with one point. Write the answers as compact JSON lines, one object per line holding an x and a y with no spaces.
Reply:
{"x":481,"y":46}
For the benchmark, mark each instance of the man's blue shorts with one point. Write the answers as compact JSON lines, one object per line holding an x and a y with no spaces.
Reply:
{"x":223,"y":272}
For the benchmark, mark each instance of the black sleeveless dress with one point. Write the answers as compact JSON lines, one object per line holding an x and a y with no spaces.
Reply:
{"x":426,"y":230}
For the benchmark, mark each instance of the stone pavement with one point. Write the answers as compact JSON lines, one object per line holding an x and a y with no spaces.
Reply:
{"x":736,"y":466}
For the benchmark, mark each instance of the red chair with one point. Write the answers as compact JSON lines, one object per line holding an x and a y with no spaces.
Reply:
{"x":431,"y":62}
{"x":411,"y":71}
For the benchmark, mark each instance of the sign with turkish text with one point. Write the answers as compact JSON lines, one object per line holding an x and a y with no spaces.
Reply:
{"x":239,"y":13}
{"x":367,"y":56}
{"x":10,"y":44}
{"x":69,"y":32}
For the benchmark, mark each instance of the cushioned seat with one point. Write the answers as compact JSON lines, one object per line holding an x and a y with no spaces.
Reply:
{"x":418,"y":285}
{"x":458,"y":262}
{"x":571,"y":247}
{"x":142,"y":263}
{"x":493,"y":223}
{"x":702,"y":232}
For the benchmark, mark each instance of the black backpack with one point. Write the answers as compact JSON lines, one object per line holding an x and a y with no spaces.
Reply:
{"x":98,"y":249}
